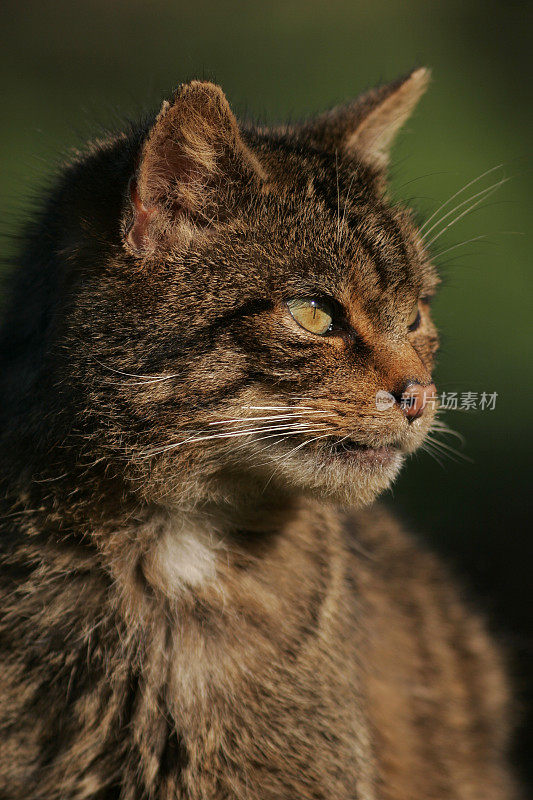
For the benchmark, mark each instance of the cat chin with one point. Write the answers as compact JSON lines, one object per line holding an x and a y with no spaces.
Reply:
{"x":348,"y":478}
{"x":343,"y":481}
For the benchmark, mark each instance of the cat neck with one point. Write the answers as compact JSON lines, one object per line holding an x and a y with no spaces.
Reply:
{"x":174,"y":560}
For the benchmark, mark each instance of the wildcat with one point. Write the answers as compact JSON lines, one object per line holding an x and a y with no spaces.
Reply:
{"x":196,"y":601}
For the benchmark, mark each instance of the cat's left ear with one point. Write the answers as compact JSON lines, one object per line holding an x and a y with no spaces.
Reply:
{"x":366,"y":129}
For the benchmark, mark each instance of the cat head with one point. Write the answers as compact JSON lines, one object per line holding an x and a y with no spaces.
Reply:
{"x":257,"y":307}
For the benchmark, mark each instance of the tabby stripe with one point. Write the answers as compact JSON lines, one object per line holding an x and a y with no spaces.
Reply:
{"x":424,"y":720}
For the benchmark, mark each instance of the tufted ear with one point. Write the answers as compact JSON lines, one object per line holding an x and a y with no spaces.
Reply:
{"x":190,"y":166}
{"x":366,"y":128}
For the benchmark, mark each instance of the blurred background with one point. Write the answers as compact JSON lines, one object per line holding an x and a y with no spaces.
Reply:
{"x":71,"y":69}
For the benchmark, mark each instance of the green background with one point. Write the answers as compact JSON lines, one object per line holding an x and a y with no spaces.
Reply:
{"x":70,"y":67}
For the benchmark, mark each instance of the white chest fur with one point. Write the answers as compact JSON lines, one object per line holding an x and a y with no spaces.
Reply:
{"x":182,"y":557}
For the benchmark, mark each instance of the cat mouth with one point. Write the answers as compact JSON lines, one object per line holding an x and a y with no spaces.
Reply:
{"x":362,"y":455}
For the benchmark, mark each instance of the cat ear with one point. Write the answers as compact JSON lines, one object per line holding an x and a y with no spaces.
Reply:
{"x":366,"y":129}
{"x":190,"y":166}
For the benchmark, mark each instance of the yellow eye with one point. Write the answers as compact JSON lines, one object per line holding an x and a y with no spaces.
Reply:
{"x":313,"y":315}
{"x":414,"y":318}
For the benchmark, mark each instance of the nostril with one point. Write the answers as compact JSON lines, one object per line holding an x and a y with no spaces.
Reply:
{"x":414,"y":398}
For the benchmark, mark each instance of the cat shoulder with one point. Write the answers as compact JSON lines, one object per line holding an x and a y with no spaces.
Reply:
{"x":418,"y":602}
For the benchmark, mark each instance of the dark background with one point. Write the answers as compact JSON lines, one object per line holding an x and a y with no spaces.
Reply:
{"x":70,"y":67}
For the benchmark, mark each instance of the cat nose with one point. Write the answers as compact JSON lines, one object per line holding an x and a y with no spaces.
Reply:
{"x":414,"y":397}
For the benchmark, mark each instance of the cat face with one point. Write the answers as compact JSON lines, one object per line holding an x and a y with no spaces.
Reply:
{"x":270,"y":307}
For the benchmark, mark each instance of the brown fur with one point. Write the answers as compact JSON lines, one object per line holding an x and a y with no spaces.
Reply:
{"x":193,"y":617}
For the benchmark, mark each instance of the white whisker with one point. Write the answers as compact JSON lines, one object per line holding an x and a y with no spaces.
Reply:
{"x":257,"y":419}
{"x":461,"y":244}
{"x":338,"y":197}
{"x":290,"y":433}
{"x":133,"y":375}
{"x":279,"y":408}
{"x":467,"y":211}
{"x":442,"y":427}
{"x":308,"y":441}
{"x":297,"y":427}
{"x":486,"y":192}
{"x":448,"y":450}
{"x":346,"y":202}
{"x":449,"y":200}
{"x":426,"y":448}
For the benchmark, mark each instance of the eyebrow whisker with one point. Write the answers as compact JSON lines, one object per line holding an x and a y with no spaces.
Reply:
{"x":461,"y":244}
{"x":484,"y":195}
{"x":453,"y":196}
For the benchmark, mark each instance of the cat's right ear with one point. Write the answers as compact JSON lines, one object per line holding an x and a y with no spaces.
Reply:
{"x":366,"y":129}
{"x":191,"y":170}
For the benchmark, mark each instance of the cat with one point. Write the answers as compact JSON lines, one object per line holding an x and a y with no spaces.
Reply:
{"x":197,"y":599}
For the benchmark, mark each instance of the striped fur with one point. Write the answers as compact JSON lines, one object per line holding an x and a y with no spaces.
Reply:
{"x":186,"y":610}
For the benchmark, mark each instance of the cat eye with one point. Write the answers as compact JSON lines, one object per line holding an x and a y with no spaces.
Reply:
{"x":414,"y":318}
{"x":315,"y":316}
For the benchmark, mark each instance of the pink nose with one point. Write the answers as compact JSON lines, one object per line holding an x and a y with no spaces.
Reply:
{"x":415,"y":398}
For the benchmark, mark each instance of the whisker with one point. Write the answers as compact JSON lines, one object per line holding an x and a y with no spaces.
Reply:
{"x":256,"y":419}
{"x":259,"y":429}
{"x":441,"y":453}
{"x":461,"y":244}
{"x":133,"y":375}
{"x":346,"y":203}
{"x":343,"y":439}
{"x":467,"y":186}
{"x":308,"y":441}
{"x":338,"y":197}
{"x":148,"y":381}
{"x":278,"y":408}
{"x":484,"y":193}
{"x":426,"y":448}
{"x":428,"y":175}
{"x":442,"y":427}
{"x":298,"y":427}
{"x":447,"y":449}
{"x":286,"y":455}
{"x":284,"y":436}
{"x":467,"y":211}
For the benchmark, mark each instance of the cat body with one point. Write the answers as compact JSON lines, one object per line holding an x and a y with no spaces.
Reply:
{"x":334,"y":661}
{"x":191,"y":352}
